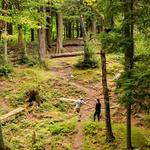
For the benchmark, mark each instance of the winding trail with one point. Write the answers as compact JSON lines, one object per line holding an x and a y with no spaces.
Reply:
{"x":92,"y":93}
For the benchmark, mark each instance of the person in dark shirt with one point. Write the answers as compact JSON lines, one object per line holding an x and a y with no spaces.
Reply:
{"x":97,"y":110}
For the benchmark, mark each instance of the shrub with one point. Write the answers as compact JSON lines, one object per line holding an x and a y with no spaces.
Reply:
{"x":89,"y":59}
{"x":5,"y":70}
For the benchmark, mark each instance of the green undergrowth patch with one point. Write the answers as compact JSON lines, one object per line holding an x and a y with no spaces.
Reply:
{"x":66,"y":60}
{"x":94,"y":137}
{"x":46,"y":132}
{"x":64,"y":89}
{"x":50,"y":88}
{"x":2,"y":111}
{"x":114,"y":64}
{"x":23,"y":80}
{"x":87,"y":76}
{"x":145,"y":120}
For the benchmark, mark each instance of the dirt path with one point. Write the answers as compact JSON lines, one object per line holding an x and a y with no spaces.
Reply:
{"x":91,"y":95}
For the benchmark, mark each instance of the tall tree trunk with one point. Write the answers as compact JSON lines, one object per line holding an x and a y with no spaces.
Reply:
{"x":5,"y":46}
{"x":69,"y":29}
{"x":93,"y":26}
{"x":49,"y":29}
{"x":65,"y":30}
{"x":129,"y":53}
{"x":42,"y":43}
{"x":2,"y":147}
{"x":20,"y":37}
{"x":109,"y":133}
{"x":73,"y":29}
{"x":21,"y":45}
{"x":77,"y":28}
{"x":59,"y":44}
{"x":32,"y":35}
{"x":10,"y":28}
{"x":86,"y":50}
{"x":42,"y":38}
{"x":129,"y":143}
{"x":81,"y":32}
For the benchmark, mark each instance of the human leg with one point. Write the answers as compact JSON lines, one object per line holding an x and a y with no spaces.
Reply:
{"x":95,"y":116}
{"x":98,"y":116}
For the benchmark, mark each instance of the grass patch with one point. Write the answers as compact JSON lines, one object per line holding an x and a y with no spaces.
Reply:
{"x":48,"y":134}
{"x":94,"y":136}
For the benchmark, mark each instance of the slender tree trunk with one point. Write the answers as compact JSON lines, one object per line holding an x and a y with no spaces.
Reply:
{"x":81,"y":32}
{"x":32,"y":35}
{"x":59,"y":44}
{"x":42,"y":38}
{"x":129,"y":53}
{"x":69,"y":29}
{"x":73,"y":29}
{"x":86,"y":50}
{"x":20,"y":37}
{"x":21,"y":45}
{"x":48,"y":29}
{"x":2,"y":147}
{"x":109,"y":133}
{"x":93,"y":26}
{"x":5,"y":46}
{"x":10,"y":28}
{"x":42,"y":43}
{"x":129,"y":143}
{"x":77,"y":28}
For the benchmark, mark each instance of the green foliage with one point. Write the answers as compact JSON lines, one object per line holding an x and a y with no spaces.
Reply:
{"x":94,"y":136}
{"x":146,"y":120}
{"x":89,"y":60}
{"x":63,"y":128}
{"x":5,"y":70}
{"x":136,"y":87}
{"x":62,"y":106}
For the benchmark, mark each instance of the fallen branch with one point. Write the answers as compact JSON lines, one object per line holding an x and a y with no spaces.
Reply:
{"x":68,"y":100}
{"x":7,"y":116}
{"x":68,"y":54}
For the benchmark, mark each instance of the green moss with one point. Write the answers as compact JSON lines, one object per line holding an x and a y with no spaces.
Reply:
{"x":94,"y":136}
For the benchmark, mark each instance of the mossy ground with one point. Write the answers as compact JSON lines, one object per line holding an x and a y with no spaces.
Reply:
{"x":94,"y":137}
{"x":54,"y":122}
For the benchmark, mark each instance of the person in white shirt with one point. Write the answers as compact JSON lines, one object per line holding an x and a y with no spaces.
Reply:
{"x":78,"y":105}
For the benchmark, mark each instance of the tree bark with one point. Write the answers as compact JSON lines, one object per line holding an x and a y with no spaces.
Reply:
{"x":10,"y":28}
{"x":20,"y":37}
{"x":129,"y":54}
{"x":86,"y":51}
{"x":93,"y":26}
{"x":109,"y":133}
{"x":42,"y":43}
{"x":42,"y":38}
{"x":2,"y":147}
{"x":81,"y":33}
{"x":59,"y":44}
{"x":77,"y":28}
{"x":49,"y":29}
{"x":129,"y":143}
{"x":5,"y":46}
{"x":32,"y":35}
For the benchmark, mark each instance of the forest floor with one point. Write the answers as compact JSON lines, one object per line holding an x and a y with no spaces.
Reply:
{"x":55,"y":122}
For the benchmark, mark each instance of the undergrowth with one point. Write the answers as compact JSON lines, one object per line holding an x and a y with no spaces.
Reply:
{"x":94,"y":137}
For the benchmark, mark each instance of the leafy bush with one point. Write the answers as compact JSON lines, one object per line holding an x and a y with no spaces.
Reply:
{"x":89,"y":60}
{"x":135,"y":89}
{"x":5,"y":70}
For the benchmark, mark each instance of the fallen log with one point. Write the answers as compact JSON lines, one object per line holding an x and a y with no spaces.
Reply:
{"x":71,"y":42}
{"x":66,"y":55}
{"x":67,"y":100}
{"x":14,"y":112}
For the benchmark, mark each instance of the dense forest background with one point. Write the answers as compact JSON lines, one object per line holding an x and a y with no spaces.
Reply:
{"x":53,"y":52}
